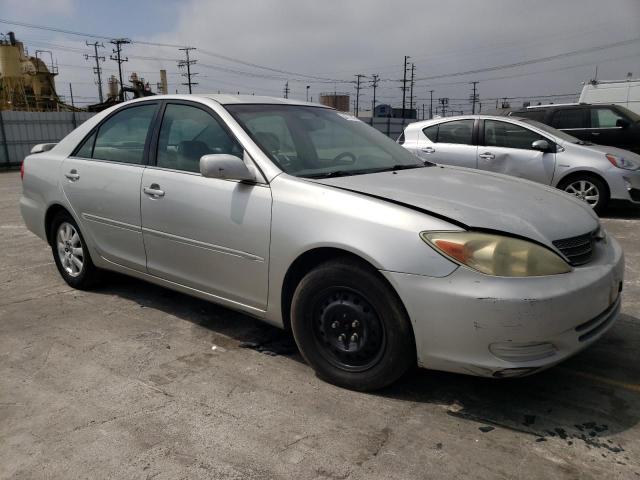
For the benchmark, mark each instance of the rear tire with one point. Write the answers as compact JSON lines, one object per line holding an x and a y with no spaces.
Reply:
{"x":71,"y":254}
{"x":588,"y":188}
{"x":351,"y":327}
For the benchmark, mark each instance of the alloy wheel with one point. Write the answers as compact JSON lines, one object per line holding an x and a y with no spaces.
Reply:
{"x":70,"y":249}
{"x":585,"y":191}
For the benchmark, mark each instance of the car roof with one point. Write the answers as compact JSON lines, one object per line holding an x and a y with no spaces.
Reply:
{"x":227,"y":99}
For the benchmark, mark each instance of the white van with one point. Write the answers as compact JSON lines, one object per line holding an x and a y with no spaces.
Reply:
{"x":621,"y":92}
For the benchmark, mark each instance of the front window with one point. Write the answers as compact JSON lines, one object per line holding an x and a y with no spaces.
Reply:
{"x":508,"y":135}
{"x":319,"y":142}
{"x":604,"y":118}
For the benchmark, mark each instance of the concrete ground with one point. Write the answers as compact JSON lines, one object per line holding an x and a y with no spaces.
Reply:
{"x":135,"y":381}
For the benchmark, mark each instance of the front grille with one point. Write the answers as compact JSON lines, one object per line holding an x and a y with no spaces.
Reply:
{"x":578,"y":250}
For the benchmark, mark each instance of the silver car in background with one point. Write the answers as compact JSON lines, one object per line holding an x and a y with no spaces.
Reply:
{"x":312,"y":221}
{"x":528,"y":149}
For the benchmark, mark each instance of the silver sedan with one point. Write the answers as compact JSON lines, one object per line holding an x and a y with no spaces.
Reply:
{"x":312,"y":221}
{"x":529,"y":149}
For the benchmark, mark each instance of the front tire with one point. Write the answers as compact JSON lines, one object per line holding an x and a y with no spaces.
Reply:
{"x":71,"y":254}
{"x":351,"y":327}
{"x":589,"y":189}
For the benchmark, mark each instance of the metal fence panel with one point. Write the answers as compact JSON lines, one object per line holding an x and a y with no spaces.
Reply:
{"x":20,"y":131}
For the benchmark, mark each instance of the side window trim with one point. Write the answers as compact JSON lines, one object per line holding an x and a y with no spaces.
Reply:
{"x":95,"y":130}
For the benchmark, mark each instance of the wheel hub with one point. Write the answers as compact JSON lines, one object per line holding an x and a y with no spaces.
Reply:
{"x":348,"y":330}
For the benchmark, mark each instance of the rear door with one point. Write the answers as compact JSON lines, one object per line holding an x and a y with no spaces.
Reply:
{"x":506,"y":148}
{"x":574,"y":121}
{"x":102,"y":179}
{"x":449,"y":143}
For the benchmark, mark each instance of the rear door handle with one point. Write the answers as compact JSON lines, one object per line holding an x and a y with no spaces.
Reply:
{"x":428,"y":150}
{"x":487,"y":156}
{"x":72,"y":175}
{"x":153,"y":190}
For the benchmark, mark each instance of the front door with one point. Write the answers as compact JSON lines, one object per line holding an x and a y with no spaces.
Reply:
{"x":606,"y":128}
{"x":208,"y":234}
{"x":507,"y":149}
{"x":102,"y":183}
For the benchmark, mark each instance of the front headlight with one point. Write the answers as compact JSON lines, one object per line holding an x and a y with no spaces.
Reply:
{"x":622,"y":162}
{"x":497,"y":255}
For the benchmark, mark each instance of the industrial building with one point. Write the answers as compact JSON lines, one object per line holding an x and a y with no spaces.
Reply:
{"x":26,"y":82}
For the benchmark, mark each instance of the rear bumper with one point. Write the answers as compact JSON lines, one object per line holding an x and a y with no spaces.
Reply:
{"x":492,"y":326}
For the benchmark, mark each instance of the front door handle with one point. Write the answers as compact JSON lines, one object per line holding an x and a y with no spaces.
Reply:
{"x":428,"y":150}
{"x":72,"y":175}
{"x":153,"y":190}
{"x":595,"y":133}
{"x":487,"y":156}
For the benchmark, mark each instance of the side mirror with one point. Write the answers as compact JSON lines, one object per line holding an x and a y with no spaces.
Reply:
{"x":541,"y":145}
{"x":226,"y":167}
{"x":42,"y":147}
{"x":622,"y":123}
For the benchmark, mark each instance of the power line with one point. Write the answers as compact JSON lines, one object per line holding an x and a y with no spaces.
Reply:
{"x":534,"y":60}
{"x":97,"y":69}
{"x":187,"y":63}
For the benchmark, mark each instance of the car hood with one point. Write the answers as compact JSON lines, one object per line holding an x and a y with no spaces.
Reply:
{"x":479,"y":200}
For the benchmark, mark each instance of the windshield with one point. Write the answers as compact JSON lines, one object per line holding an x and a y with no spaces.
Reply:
{"x":553,"y":131}
{"x":320,"y":142}
{"x":633,"y":116}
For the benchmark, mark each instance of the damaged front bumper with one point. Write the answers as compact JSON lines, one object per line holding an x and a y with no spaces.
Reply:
{"x":482,"y":325}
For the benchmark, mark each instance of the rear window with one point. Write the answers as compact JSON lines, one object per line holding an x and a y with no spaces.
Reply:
{"x":458,"y":131}
{"x":569,"y":118}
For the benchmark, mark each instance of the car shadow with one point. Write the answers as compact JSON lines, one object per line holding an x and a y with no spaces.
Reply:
{"x":584,"y":400}
{"x":621,"y":210}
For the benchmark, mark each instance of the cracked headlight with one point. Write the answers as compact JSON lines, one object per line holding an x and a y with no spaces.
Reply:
{"x":496,"y":254}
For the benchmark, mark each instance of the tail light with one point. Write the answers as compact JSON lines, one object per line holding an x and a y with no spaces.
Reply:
{"x":22,"y":170}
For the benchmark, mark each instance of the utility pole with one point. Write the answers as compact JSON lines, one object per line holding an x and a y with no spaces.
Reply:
{"x":308,"y":87}
{"x":187,"y":63}
{"x":413,"y":69}
{"x":430,"y":104}
{"x":97,"y":70}
{"x":444,"y":102}
{"x":73,"y":108}
{"x":404,"y":83}
{"x":118,"y":42}
{"x":358,"y":77}
{"x":286,"y":89}
{"x":374,"y":83}
{"x":474,"y":98}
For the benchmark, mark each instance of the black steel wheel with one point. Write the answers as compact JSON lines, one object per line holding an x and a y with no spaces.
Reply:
{"x":351,"y":327}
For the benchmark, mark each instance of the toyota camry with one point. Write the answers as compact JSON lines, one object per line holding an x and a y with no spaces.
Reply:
{"x":310,"y":220}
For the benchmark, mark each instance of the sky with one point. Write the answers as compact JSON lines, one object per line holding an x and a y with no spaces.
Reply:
{"x":324,"y":44}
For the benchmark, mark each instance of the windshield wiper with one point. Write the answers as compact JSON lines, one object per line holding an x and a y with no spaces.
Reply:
{"x":400,"y":166}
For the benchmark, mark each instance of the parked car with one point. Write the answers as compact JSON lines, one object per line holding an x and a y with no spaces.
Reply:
{"x":313,"y":221}
{"x":625,"y":93}
{"x":610,"y":125}
{"x":529,"y":149}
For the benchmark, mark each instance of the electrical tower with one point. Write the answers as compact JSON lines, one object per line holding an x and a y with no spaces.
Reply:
{"x":374,"y":83}
{"x":286,"y":89}
{"x":474,"y":98}
{"x":411,"y":83}
{"x":430,"y":104}
{"x":358,"y":77}
{"x":444,"y":102}
{"x":187,"y":63}
{"x":118,"y":42}
{"x":404,"y":84}
{"x":97,"y":69}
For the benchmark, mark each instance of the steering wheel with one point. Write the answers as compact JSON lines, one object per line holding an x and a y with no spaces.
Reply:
{"x":344,"y":156}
